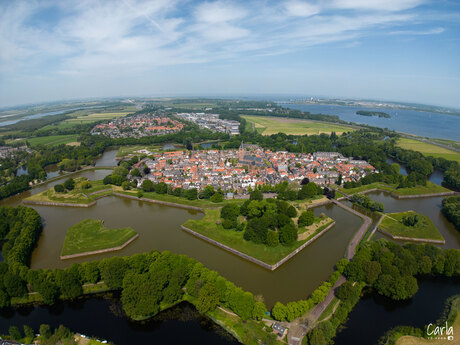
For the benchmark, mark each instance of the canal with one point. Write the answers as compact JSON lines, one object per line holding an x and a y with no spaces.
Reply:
{"x":159,"y":229}
{"x":374,"y":315}
{"x":103,"y":318}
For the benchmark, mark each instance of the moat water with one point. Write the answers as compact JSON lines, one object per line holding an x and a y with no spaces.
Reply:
{"x":159,"y":229}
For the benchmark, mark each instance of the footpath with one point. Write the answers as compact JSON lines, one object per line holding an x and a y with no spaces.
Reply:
{"x":300,"y":327}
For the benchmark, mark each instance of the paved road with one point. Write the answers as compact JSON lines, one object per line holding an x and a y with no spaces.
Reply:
{"x":299,"y":328}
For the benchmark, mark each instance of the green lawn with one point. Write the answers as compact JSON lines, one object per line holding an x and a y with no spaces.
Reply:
{"x":428,"y":189}
{"x":272,"y":125}
{"x":379,"y":185}
{"x":418,"y":190}
{"x":207,"y":226}
{"x":428,"y":149}
{"x":423,"y":229}
{"x":76,"y":196}
{"x":52,"y":140}
{"x":177,"y":200}
{"x":90,"y":235}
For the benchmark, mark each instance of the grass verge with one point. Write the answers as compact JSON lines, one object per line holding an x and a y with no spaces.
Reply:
{"x":423,"y":229}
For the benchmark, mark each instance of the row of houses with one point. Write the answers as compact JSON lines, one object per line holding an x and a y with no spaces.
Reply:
{"x":137,"y":126}
{"x":250,"y":166}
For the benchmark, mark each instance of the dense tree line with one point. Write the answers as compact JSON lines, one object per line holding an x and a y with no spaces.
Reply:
{"x":391,"y":269}
{"x":451,"y":209}
{"x":61,"y":335}
{"x":19,"y":230}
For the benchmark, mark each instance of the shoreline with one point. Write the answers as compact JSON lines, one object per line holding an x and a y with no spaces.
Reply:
{"x":410,"y":239}
{"x":99,"y":251}
{"x":252,"y":259}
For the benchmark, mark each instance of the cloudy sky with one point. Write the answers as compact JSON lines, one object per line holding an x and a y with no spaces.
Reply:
{"x":403,"y":50}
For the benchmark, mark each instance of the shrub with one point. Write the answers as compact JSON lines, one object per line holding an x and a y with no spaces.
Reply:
{"x":59,"y":188}
{"x":217,"y":197}
{"x":85,"y":185}
{"x":306,"y":218}
{"x":69,"y":184}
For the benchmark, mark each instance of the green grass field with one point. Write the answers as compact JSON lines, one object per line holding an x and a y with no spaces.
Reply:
{"x":76,"y":196}
{"x":54,"y":140}
{"x":83,"y":117}
{"x":207,"y":226}
{"x":418,"y":190}
{"x":272,"y":125}
{"x":423,"y":229}
{"x":428,"y":149}
{"x":177,"y":200}
{"x":90,"y":235}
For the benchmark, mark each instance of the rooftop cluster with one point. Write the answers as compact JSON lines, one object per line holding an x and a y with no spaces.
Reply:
{"x":137,"y":126}
{"x":250,"y":166}
{"x":212,"y":122}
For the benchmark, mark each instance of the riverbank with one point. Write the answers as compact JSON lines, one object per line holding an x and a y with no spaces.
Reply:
{"x":252,"y":259}
{"x":430,"y":190}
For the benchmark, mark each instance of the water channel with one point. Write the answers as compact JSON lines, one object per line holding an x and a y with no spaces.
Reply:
{"x":103,"y":318}
{"x":374,"y":315}
{"x":159,"y":229}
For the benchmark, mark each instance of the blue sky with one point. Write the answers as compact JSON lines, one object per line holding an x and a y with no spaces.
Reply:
{"x":402,"y":50}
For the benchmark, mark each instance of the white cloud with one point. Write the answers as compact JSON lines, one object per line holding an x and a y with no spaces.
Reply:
{"x":218,"y":12}
{"x":301,"y":8}
{"x":384,"y":5}
{"x":96,"y":39}
{"x":434,"y":31}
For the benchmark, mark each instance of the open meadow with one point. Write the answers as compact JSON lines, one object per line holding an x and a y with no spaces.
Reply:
{"x":54,"y":140}
{"x":272,"y":125}
{"x":428,"y":149}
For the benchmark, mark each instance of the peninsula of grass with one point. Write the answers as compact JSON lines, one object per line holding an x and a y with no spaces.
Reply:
{"x":430,"y":188}
{"x":209,"y":227}
{"x":424,"y":229}
{"x":202,"y":203}
{"x":78,"y":195}
{"x":90,"y":236}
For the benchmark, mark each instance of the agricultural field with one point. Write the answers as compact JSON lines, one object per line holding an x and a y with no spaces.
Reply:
{"x":423,"y":229}
{"x":272,"y":125}
{"x":91,"y":235}
{"x":83,"y":117}
{"x":54,"y":140}
{"x":428,"y":149}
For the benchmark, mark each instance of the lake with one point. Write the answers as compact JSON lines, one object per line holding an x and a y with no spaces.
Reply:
{"x":425,"y":124}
